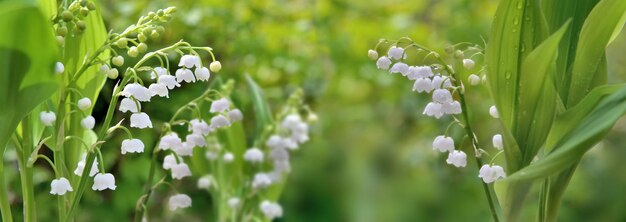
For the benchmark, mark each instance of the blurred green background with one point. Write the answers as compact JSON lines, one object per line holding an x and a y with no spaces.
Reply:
{"x":370,"y":156}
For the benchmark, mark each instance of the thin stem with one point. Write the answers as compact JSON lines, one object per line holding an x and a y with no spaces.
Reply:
{"x":493,"y":205}
{"x":26,"y":173}
{"x":5,"y":207}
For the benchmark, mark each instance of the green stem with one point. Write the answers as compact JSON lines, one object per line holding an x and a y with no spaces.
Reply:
{"x":59,"y":156}
{"x":493,"y":203}
{"x":5,"y":206}
{"x":26,"y":173}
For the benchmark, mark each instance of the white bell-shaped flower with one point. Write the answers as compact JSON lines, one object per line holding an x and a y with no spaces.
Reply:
{"x":196,"y":140}
{"x":443,"y":144}
{"x":158,"y":72}
{"x":473,"y":79}
{"x":433,"y":109}
{"x":186,"y":149}
{"x":170,"y":141}
{"x":253,"y":155}
{"x":60,"y":186}
{"x":271,"y":210}
{"x":59,"y":68}
{"x":291,"y":121}
{"x":219,"y":121}
{"x":215,"y":66}
{"x":128,"y":104}
{"x":202,"y":73}
{"x":423,"y":85}
{"x":451,"y":108}
{"x":103,"y":181}
{"x":88,"y":122}
{"x":457,"y":158}
{"x":228,"y":157}
{"x":169,"y":161}
{"x":205,"y":182}
{"x":261,"y":180}
{"x":400,"y":67}
{"x":185,"y":75}
{"x":220,"y":105}
{"x":137,"y":91}
{"x":198,"y":126}
{"x":383,"y":63}
{"x":180,"y":171}
{"x":140,"y":120}
{"x":490,"y":174}
{"x":84,"y":104}
{"x":440,"y":82}
{"x":132,"y":146}
{"x":47,"y":118}
{"x":442,"y":96}
{"x":424,"y":72}
{"x":81,"y":166}
{"x":468,"y":63}
{"x":234,"y":202}
{"x":235,"y":115}
{"x":189,"y":61}
{"x":497,"y":141}
{"x":159,"y":89}
{"x":493,"y":111}
{"x":169,"y":81}
{"x":395,"y":52}
{"x":179,"y":201}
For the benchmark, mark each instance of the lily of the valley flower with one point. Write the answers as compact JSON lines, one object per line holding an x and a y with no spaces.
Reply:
{"x":103,"y":181}
{"x":395,"y":52}
{"x":137,"y":91}
{"x":80,"y":166}
{"x":202,"y":73}
{"x":158,"y":89}
{"x":47,"y":118}
{"x":88,"y":122}
{"x":169,"y":81}
{"x":59,"y":68}
{"x":170,"y":141}
{"x":185,"y":75}
{"x":443,"y":144}
{"x":497,"y":141}
{"x":205,"y":182}
{"x":234,"y":202}
{"x":169,"y":161}
{"x":493,"y":111}
{"x":84,"y":104}
{"x":189,"y":61}
{"x":261,"y":180}
{"x":220,"y":105}
{"x":128,"y":104}
{"x":179,"y":201}
{"x":198,"y":126}
{"x":383,"y":63}
{"x":132,"y":146}
{"x":490,"y":174}
{"x":219,"y":121}
{"x":235,"y":115}
{"x":253,"y":155}
{"x":140,"y":120}
{"x":271,"y":210}
{"x":457,"y":158}
{"x":180,"y":171}
{"x":60,"y":186}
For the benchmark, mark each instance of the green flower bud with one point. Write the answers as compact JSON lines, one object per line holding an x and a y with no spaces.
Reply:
{"x":62,"y":30}
{"x":133,"y":52}
{"x":215,"y":66}
{"x":60,"y":40}
{"x":154,"y":35}
{"x":170,"y":10}
{"x":142,"y":37}
{"x":118,"y":60}
{"x":67,"y":16}
{"x":113,"y":74}
{"x":84,"y":11}
{"x":81,"y":25}
{"x":91,"y":6}
{"x":160,"y":29}
{"x":121,"y":43}
{"x":142,"y":47}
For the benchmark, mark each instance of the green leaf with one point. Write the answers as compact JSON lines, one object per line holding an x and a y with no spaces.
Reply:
{"x":27,"y":58}
{"x":537,"y":95}
{"x":262,"y":113}
{"x":576,"y":143}
{"x":596,"y":33}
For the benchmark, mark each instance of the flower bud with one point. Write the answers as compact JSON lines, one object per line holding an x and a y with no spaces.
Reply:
{"x":154,"y":34}
{"x":473,"y":79}
{"x":372,"y":54}
{"x":118,"y":60}
{"x":91,"y":6}
{"x":122,"y":43}
{"x":215,"y":66}
{"x":142,"y":37}
{"x":67,"y":16}
{"x":133,"y":51}
{"x":60,"y":40}
{"x":84,"y":11}
{"x":459,"y":54}
{"x":81,"y":26}
{"x":142,"y":47}
{"x":113,"y":73}
{"x":468,"y":63}
{"x":61,"y":30}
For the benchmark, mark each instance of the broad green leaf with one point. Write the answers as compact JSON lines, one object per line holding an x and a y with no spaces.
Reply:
{"x":595,"y":35}
{"x":262,"y":113}
{"x":27,"y":56}
{"x":557,"y":12}
{"x":584,"y":136}
{"x":567,"y":121}
{"x":537,"y":95}
{"x":517,"y":29}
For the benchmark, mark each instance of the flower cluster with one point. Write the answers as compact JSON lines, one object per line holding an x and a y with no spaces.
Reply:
{"x":446,"y":94}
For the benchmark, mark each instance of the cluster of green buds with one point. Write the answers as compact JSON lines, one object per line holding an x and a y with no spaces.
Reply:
{"x":148,"y":27}
{"x":70,"y":18}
